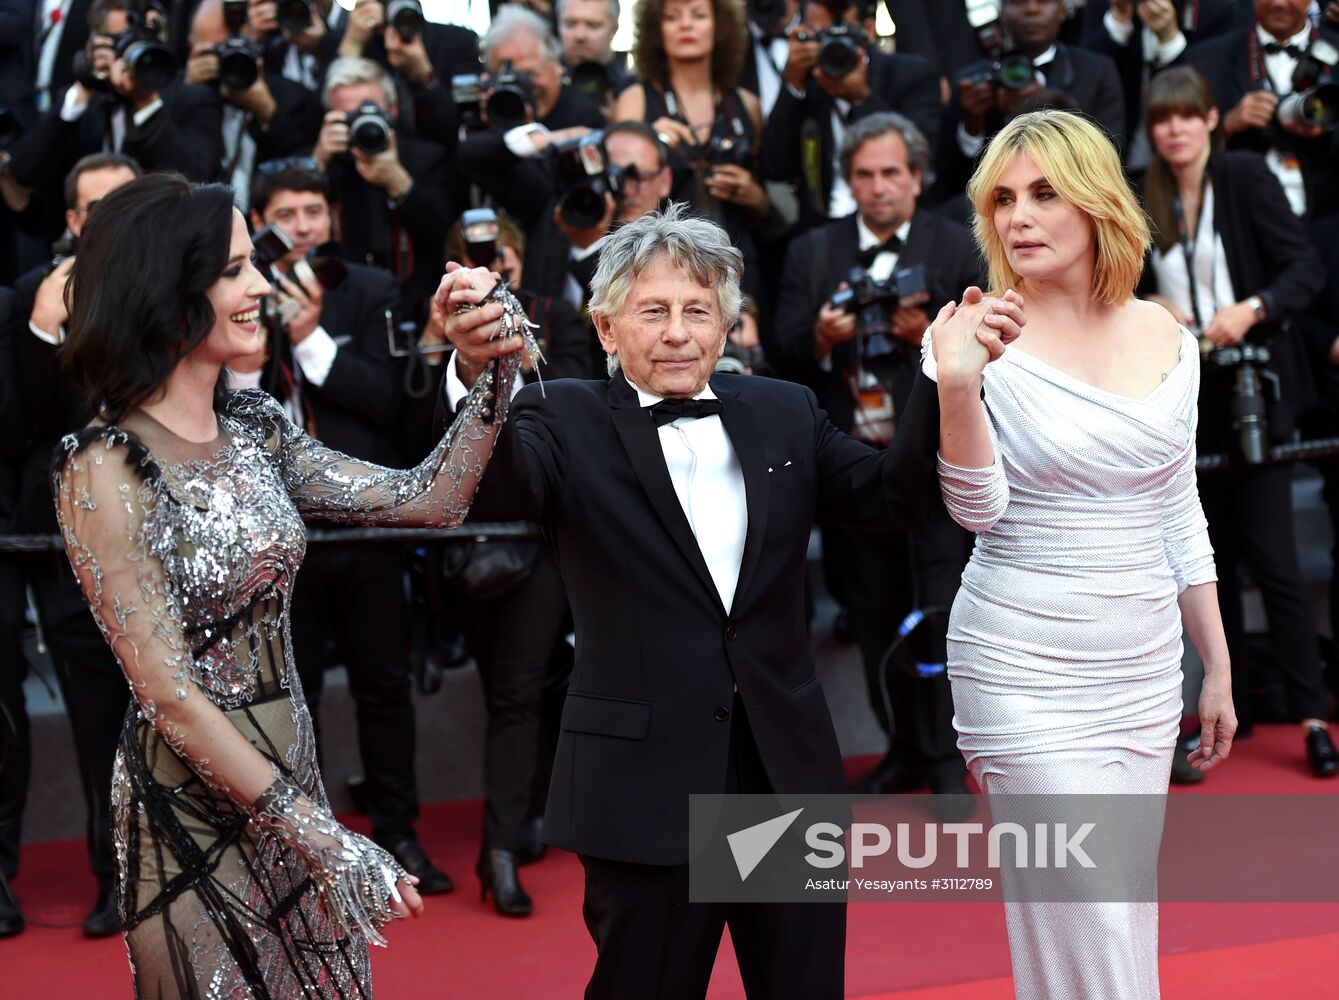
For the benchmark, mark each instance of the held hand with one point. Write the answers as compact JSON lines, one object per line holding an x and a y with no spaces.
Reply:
{"x":976,"y":101}
{"x":309,"y":39}
{"x":473,"y":332}
{"x":366,"y":19}
{"x":332,"y":140}
{"x":732,"y":183}
{"x":674,"y":133}
{"x":306,"y":297}
{"x":410,"y":903}
{"x":383,"y":169}
{"x":1230,"y":324}
{"x":1218,"y":724}
{"x":410,"y":57}
{"x":49,"y":313}
{"x":202,"y":67}
{"x":834,"y":326}
{"x":1256,"y":110}
{"x":801,"y":58}
{"x":853,"y":87}
{"x":583,"y":238}
{"x":257,"y":98}
{"x":263,"y":16}
{"x":970,"y":335}
{"x":909,"y":324}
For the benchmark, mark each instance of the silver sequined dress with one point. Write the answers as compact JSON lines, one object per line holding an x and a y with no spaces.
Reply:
{"x":188,"y":554}
{"x":1064,"y":643}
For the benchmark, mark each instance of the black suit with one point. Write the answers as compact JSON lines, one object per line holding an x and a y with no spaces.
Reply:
{"x":15,"y":765}
{"x":1089,"y":77}
{"x":90,"y":678}
{"x":72,"y":39}
{"x":523,"y":187}
{"x":937,"y":30}
{"x":1249,"y":509}
{"x":880,"y":577}
{"x":1208,"y":18}
{"x":799,"y":128}
{"x":1225,"y":62}
{"x":652,"y":714}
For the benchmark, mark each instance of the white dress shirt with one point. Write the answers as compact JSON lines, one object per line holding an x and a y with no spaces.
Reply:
{"x":1280,"y":67}
{"x":51,"y":15}
{"x":707,"y":478}
{"x":1213,"y":281}
{"x":770,"y":58}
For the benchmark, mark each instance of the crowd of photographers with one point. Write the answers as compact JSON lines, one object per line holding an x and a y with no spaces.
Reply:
{"x":367,"y":146}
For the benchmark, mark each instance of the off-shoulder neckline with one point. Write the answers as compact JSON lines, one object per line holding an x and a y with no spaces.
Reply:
{"x":1184,"y":356}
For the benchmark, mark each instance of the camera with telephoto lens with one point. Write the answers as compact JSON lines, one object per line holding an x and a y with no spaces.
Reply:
{"x":140,"y":47}
{"x":1012,"y":71}
{"x":840,"y":48}
{"x":1315,"y":97}
{"x":873,"y":303}
{"x":238,"y":66}
{"x":1249,"y":404}
{"x":405,"y":17}
{"x":585,"y":176}
{"x":727,"y":150}
{"x":592,"y":79}
{"x":369,"y":129}
{"x":507,"y":97}
{"x":294,"y":16}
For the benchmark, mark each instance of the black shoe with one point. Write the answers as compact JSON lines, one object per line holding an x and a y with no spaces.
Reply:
{"x":531,"y":846}
{"x":1321,"y":754}
{"x":953,"y":802}
{"x":890,"y":777}
{"x":1183,"y":772}
{"x":432,"y":881}
{"x":497,"y":874}
{"x":11,"y":917}
{"x":103,"y":920}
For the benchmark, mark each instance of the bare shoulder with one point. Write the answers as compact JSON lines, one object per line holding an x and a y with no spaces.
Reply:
{"x":630,"y":105}
{"x":1154,"y":329}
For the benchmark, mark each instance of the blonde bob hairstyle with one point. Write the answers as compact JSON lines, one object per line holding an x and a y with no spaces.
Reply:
{"x":1082,"y":165}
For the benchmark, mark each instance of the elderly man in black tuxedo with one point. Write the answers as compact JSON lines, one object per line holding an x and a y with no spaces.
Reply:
{"x":679,"y":505}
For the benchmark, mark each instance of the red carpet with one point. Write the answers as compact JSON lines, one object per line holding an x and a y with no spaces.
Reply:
{"x":462,"y":949}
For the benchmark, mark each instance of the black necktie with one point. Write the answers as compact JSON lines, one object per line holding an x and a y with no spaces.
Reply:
{"x":893,"y":244}
{"x":1274,"y":48}
{"x":669,"y":410}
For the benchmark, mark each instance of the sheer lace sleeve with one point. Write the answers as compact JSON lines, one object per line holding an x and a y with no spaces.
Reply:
{"x":332,"y":486}
{"x":114,"y":516}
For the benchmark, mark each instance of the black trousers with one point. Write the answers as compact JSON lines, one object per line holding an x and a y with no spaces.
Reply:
{"x":885,"y":576}
{"x":15,"y":741}
{"x":653,"y":944}
{"x":517,"y":641}
{"x":1250,"y":515}
{"x":354,"y":596}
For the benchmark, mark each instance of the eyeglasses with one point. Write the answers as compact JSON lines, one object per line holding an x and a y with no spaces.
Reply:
{"x":272,"y":168}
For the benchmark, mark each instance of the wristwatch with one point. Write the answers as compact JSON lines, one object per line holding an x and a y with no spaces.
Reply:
{"x":1257,"y":305}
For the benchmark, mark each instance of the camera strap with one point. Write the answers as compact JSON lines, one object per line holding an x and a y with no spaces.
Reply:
{"x":1188,"y":237}
{"x":1259,"y":72}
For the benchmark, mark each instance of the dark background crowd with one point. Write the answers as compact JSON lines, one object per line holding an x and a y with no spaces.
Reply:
{"x":368,"y":146}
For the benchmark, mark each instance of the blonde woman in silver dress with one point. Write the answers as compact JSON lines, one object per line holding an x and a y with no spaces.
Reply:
{"x":1073,"y":459}
{"x":181,"y":508}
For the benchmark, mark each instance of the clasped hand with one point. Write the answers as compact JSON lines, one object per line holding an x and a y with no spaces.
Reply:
{"x":969,"y":335}
{"x":474,"y":332}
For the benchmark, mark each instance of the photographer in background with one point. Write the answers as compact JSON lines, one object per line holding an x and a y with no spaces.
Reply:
{"x":834,"y":77}
{"x":986,"y":93}
{"x":586,"y":29}
{"x":502,"y":156}
{"x":861,"y":361}
{"x":1233,"y":264}
{"x":264,"y":119}
{"x":390,"y":190}
{"x":336,"y":364}
{"x":91,"y":683}
{"x":1253,"y":72}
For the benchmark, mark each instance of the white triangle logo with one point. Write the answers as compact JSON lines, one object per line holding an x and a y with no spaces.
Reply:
{"x":751,"y":844}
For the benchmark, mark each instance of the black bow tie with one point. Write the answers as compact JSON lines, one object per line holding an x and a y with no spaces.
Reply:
{"x":893,"y":244}
{"x":669,"y":410}
{"x":1274,"y":48}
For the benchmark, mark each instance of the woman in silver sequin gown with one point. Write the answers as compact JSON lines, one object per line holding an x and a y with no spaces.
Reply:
{"x":1073,"y":458}
{"x":181,"y":510}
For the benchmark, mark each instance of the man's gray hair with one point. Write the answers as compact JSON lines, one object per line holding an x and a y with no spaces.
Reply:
{"x":699,"y":246}
{"x":885,"y":123}
{"x":613,"y":12}
{"x":512,"y":18}
{"x":347,"y":72}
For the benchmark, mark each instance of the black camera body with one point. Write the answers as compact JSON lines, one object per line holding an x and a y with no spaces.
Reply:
{"x":873,"y":302}
{"x":1011,"y":71}
{"x":405,"y":17}
{"x":369,"y":129}
{"x":585,"y":176}
{"x":727,"y":150}
{"x":150,"y":62}
{"x":238,"y":58}
{"x":506,"y":97}
{"x":592,"y":79}
{"x":840,"y":48}
{"x":1315,"y":95}
{"x":272,"y":245}
{"x":1250,"y":407}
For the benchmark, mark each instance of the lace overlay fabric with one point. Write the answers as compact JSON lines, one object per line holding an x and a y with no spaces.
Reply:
{"x":234,"y":879}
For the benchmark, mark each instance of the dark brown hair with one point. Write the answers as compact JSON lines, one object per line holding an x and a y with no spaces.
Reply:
{"x":728,"y":49}
{"x":1178,"y":90}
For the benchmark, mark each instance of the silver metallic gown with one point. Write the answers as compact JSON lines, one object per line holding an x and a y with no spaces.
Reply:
{"x":187,"y":554}
{"x":1064,"y":643}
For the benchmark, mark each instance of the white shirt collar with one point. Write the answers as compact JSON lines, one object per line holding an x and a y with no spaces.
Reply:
{"x":1045,"y":57}
{"x":1302,"y":39}
{"x":867,"y":237}
{"x":651,"y":399}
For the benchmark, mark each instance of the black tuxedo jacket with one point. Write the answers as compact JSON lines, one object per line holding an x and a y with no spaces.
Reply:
{"x":523,"y":187}
{"x":658,"y":656}
{"x":185,"y":135}
{"x":1268,"y":254}
{"x":296,"y":122}
{"x":357,"y":408}
{"x":1226,"y":64}
{"x":820,"y":259}
{"x":937,"y":30}
{"x":72,"y":39}
{"x":1210,"y":18}
{"x":1089,"y":77}
{"x":904,"y":83}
